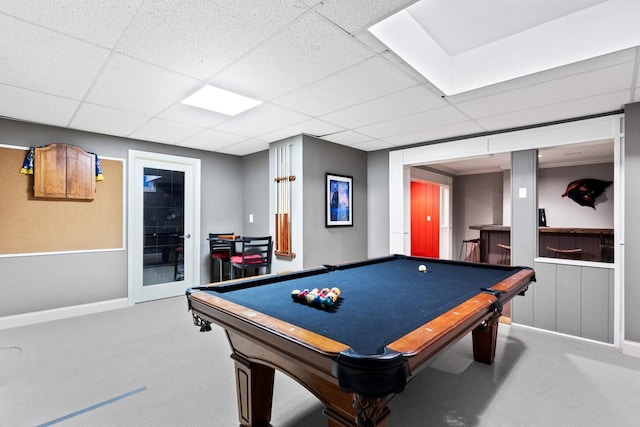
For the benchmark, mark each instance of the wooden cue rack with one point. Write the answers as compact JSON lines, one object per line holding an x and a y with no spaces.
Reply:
{"x":283,"y":181}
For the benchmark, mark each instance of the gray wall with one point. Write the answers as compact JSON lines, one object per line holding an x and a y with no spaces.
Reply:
{"x":255,"y":191}
{"x":524,"y":224}
{"x":564,"y":212}
{"x":34,"y":283}
{"x":632,"y":225}
{"x":323,"y":245}
{"x":477,"y":199}
{"x":378,"y":203}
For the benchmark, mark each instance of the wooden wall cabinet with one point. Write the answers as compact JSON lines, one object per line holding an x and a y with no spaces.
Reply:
{"x":64,"y":171}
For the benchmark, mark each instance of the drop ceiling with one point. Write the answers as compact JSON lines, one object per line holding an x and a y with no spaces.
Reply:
{"x":121,"y":68}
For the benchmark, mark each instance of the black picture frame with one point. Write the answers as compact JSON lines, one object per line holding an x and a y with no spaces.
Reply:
{"x":338,"y":200}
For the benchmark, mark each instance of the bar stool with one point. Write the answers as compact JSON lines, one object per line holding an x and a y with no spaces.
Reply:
{"x":505,"y":255}
{"x":219,"y":254}
{"x":474,"y":245}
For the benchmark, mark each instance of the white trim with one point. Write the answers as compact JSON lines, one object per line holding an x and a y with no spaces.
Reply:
{"x":60,"y":313}
{"x":134,"y":225}
{"x":560,"y":334}
{"x":630,"y":348}
{"x":84,"y":251}
{"x":576,"y":262}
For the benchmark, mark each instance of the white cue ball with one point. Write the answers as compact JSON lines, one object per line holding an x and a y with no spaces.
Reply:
{"x":422,"y":268}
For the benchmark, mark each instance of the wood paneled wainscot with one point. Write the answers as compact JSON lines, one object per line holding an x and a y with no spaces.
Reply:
{"x":64,"y":171}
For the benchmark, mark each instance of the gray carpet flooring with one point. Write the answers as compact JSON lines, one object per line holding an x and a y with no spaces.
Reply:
{"x":148,"y":365}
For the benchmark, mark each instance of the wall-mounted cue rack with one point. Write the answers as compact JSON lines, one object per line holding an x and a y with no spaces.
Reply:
{"x":283,"y":182}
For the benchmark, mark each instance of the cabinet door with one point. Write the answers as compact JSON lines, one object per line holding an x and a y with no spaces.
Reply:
{"x":81,"y":183}
{"x":50,"y":177}
{"x":64,"y":172}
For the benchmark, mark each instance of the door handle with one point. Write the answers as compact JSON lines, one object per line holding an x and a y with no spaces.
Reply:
{"x":186,"y":236}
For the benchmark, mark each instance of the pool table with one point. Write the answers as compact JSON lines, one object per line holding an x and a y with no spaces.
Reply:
{"x":390,"y":320}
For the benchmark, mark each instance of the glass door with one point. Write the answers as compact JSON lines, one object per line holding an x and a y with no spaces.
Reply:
{"x":163,"y":223}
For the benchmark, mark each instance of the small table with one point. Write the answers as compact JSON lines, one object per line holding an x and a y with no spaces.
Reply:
{"x":390,"y":320}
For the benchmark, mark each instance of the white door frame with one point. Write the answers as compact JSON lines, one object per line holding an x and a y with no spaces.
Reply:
{"x":138,"y":160}
{"x":599,"y":128}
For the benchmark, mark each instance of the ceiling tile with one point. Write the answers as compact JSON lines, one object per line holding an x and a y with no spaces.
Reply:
{"x":357,"y":14}
{"x":371,"y":41}
{"x":97,"y":21}
{"x":192,"y":115}
{"x":245,"y":147}
{"x":348,"y":137}
{"x":199,"y":38}
{"x":582,"y":85}
{"x":35,"y":58}
{"x":164,"y":131}
{"x":399,"y":62}
{"x":414,"y":123}
{"x":95,"y":118}
{"x":312,"y":127}
{"x":131,"y":85}
{"x":435,"y":133}
{"x":35,"y":107}
{"x":368,"y":80}
{"x":307,"y":50}
{"x":373,"y":145}
{"x":564,"y":110}
{"x":398,"y":104}
{"x":262,"y":119}
{"x":211,"y":140}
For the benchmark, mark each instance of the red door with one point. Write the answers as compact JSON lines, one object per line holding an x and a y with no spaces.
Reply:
{"x":425,"y":219}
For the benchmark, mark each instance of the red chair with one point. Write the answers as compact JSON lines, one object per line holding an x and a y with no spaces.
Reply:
{"x":255,"y":254}
{"x":220,"y":253}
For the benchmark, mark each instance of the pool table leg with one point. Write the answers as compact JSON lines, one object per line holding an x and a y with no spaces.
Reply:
{"x":485,"y":337}
{"x":254,"y":385}
{"x":367,"y":412}
{"x":370,"y":412}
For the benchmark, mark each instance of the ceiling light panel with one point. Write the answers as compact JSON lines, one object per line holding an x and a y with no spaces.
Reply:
{"x":535,"y":44}
{"x":221,"y":101}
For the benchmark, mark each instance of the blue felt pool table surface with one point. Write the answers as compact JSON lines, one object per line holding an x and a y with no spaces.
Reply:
{"x":381,"y":300}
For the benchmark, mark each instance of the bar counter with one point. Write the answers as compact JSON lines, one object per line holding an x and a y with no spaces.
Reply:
{"x":595,"y":244}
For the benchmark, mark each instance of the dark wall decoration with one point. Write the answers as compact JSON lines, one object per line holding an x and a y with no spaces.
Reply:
{"x":585,"y":191}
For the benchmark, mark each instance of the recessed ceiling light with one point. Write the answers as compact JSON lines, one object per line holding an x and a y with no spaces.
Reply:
{"x":465,"y":45}
{"x":221,"y":101}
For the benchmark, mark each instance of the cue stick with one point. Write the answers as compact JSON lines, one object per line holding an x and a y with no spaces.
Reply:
{"x":288,"y":199}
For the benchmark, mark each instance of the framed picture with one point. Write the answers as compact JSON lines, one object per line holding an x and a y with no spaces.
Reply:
{"x":339,"y":201}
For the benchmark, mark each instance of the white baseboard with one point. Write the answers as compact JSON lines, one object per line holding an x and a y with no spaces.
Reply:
{"x":61,"y":313}
{"x":631,"y":348}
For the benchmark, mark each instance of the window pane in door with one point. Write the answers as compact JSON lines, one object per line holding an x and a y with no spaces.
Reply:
{"x":163,"y":255}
